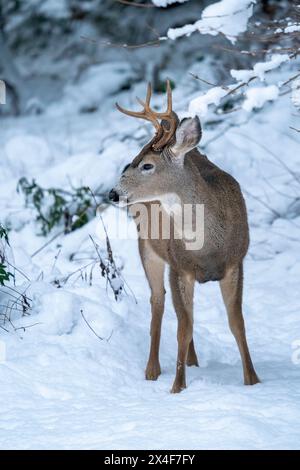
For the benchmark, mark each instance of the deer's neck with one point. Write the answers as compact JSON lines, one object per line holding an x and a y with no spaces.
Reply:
{"x":189,"y":189}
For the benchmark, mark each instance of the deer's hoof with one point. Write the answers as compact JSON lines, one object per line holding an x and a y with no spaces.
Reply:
{"x":192,"y":361}
{"x":251,"y":379}
{"x":153,"y":371}
{"x":177,"y":388}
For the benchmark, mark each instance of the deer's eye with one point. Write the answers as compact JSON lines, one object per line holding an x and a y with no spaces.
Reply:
{"x":147,"y":166}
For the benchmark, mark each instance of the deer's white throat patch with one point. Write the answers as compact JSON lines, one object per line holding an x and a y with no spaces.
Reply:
{"x":171,"y":203}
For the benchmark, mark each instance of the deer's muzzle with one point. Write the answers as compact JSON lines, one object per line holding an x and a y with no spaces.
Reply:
{"x":114,"y":196}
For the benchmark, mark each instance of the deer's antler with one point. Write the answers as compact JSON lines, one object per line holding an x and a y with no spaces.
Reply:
{"x":165,"y":129}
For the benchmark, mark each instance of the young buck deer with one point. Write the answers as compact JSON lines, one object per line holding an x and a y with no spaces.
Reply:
{"x":170,"y":168}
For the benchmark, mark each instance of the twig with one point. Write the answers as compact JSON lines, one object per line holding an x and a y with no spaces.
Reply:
{"x":17,"y":292}
{"x":47,"y":243}
{"x":9,"y":293}
{"x":55,"y":260}
{"x":233,"y":90}
{"x":229,"y":126}
{"x":2,"y":327}
{"x":111,"y":259}
{"x":291,"y":79}
{"x":24,"y":328}
{"x":135,"y":4}
{"x":24,"y":303}
{"x":284,"y":165}
{"x":293,"y":198}
{"x":207,"y":82}
{"x":65,"y":279}
{"x":92,"y":329}
{"x":16,"y":309}
{"x":18,"y":270}
{"x":263,"y":203}
{"x":155,"y":42}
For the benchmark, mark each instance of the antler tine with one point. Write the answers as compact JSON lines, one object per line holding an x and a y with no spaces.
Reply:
{"x":149,"y":94}
{"x":170,"y":117}
{"x":168,"y":113}
{"x":163,"y":133}
{"x":169,"y":95}
{"x":146,"y":114}
{"x":138,"y":114}
{"x":146,"y":103}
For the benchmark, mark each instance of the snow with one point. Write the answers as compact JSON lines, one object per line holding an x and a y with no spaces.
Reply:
{"x":61,"y":385}
{"x":260,"y":68}
{"x":256,"y":97}
{"x":54,"y":8}
{"x":2,"y":92}
{"x":18,"y":148}
{"x":200,"y":104}
{"x":296,"y":93}
{"x":165,"y":3}
{"x":292,"y":28}
{"x":229,"y":17}
{"x":93,"y":87}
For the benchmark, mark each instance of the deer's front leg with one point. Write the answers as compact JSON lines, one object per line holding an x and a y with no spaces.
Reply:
{"x":182,"y":286}
{"x":154,"y":268}
{"x":157,"y":309}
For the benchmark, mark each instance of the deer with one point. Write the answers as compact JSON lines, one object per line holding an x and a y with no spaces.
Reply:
{"x":171,"y":166}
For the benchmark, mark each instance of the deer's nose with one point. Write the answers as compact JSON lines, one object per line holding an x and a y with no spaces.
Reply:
{"x":113,"y":196}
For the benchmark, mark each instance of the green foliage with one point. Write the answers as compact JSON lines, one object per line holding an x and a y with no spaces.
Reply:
{"x":12,"y":300}
{"x":228,"y":105}
{"x":3,"y":233}
{"x":5,"y":275}
{"x":55,"y":207}
{"x":161,"y":87}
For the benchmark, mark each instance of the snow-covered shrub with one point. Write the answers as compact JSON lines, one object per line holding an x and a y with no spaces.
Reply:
{"x":5,"y":274}
{"x":13,"y":301}
{"x":265,"y":35}
{"x":59,"y":207}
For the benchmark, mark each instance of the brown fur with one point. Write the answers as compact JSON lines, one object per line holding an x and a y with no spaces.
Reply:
{"x":181,"y":169}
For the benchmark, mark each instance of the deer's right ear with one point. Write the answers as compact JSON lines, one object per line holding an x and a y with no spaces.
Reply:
{"x":188,"y":135}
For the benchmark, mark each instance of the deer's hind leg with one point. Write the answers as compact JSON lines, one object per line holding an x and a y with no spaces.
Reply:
{"x":154,"y":268}
{"x":182,"y":286}
{"x":192,"y":359}
{"x":232,"y":292}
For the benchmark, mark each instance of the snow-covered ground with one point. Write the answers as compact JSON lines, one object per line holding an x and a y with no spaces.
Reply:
{"x":63,"y":387}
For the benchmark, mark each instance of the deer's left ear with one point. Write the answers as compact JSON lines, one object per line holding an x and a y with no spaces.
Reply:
{"x":188,"y":135}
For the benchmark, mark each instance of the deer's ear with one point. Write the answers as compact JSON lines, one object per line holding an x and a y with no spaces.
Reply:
{"x":188,"y":135}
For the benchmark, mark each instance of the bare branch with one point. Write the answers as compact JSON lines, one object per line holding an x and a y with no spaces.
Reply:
{"x":47,"y":243}
{"x":155,"y":42}
{"x":135,"y":4}
{"x":205,"y":81}
{"x":92,"y":329}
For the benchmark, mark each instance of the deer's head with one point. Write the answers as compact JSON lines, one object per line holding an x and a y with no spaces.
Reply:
{"x":159,"y":167}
